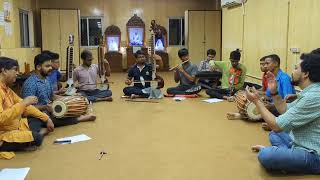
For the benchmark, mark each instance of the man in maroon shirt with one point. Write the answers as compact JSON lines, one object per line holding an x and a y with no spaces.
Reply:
{"x":264,"y":69}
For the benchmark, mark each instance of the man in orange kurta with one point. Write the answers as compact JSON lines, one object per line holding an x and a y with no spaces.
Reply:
{"x":15,"y":134}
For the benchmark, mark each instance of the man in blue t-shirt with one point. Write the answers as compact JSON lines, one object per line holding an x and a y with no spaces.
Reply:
{"x":285,"y":86}
{"x":284,"y":81}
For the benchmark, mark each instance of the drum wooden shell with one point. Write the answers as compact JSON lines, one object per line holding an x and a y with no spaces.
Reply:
{"x":246,"y":108}
{"x":71,"y":106}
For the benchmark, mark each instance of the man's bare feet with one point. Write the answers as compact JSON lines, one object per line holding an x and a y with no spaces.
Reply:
{"x":257,"y":148}
{"x":265,"y":126}
{"x":230,"y":99}
{"x":109,"y":99}
{"x":133,"y":96}
{"x":89,"y":117}
{"x":234,"y":116}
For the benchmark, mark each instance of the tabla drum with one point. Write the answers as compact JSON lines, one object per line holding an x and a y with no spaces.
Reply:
{"x":70,"y":106}
{"x":246,"y":108}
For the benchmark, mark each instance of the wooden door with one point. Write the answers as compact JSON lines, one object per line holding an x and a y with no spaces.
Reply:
{"x":303,"y":30}
{"x":212,"y":35}
{"x":50,"y":30}
{"x":56,"y":26}
{"x":196,"y":30}
{"x":69,"y":25}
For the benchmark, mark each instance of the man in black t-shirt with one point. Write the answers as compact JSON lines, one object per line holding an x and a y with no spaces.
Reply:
{"x":137,"y":74}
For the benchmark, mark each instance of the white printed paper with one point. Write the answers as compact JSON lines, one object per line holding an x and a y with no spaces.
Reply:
{"x":74,"y":139}
{"x":213,"y":100}
{"x":179,"y":98}
{"x":14,"y":174}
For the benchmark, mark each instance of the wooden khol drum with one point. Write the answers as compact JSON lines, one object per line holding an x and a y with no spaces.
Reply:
{"x":246,"y":108}
{"x":71,"y":106}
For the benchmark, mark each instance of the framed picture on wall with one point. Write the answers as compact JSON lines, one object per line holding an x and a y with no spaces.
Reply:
{"x":135,"y":36}
{"x":113,"y":43}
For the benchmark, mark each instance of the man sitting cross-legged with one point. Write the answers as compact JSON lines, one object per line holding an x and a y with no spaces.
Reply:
{"x":295,"y":133}
{"x":38,"y":85}
{"x":15,"y":132}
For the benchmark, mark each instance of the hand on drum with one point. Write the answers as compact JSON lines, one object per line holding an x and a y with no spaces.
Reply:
{"x":50,"y":125}
{"x":230,"y":99}
{"x":62,"y":90}
{"x":252,"y":94}
{"x":49,"y":107}
{"x":272,"y":82}
{"x":30,"y":100}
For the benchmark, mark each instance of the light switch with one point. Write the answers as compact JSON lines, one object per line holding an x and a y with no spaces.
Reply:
{"x":295,"y":50}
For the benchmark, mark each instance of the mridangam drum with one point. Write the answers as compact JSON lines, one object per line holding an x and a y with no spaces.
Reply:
{"x":71,"y":106}
{"x":246,"y":108}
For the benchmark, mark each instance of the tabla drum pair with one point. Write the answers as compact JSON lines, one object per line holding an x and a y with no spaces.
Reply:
{"x":246,"y":108}
{"x":70,"y":106}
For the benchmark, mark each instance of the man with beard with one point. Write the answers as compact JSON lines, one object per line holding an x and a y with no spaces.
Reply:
{"x":38,"y":85}
{"x":291,"y":97}
{"x":295,"y":133}
{"x":55,"y":77}
{"x":15,"y":132}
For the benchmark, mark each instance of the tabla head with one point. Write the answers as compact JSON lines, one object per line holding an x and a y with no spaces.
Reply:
{"x":252,"y":112}
{"x":59,"y":108}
